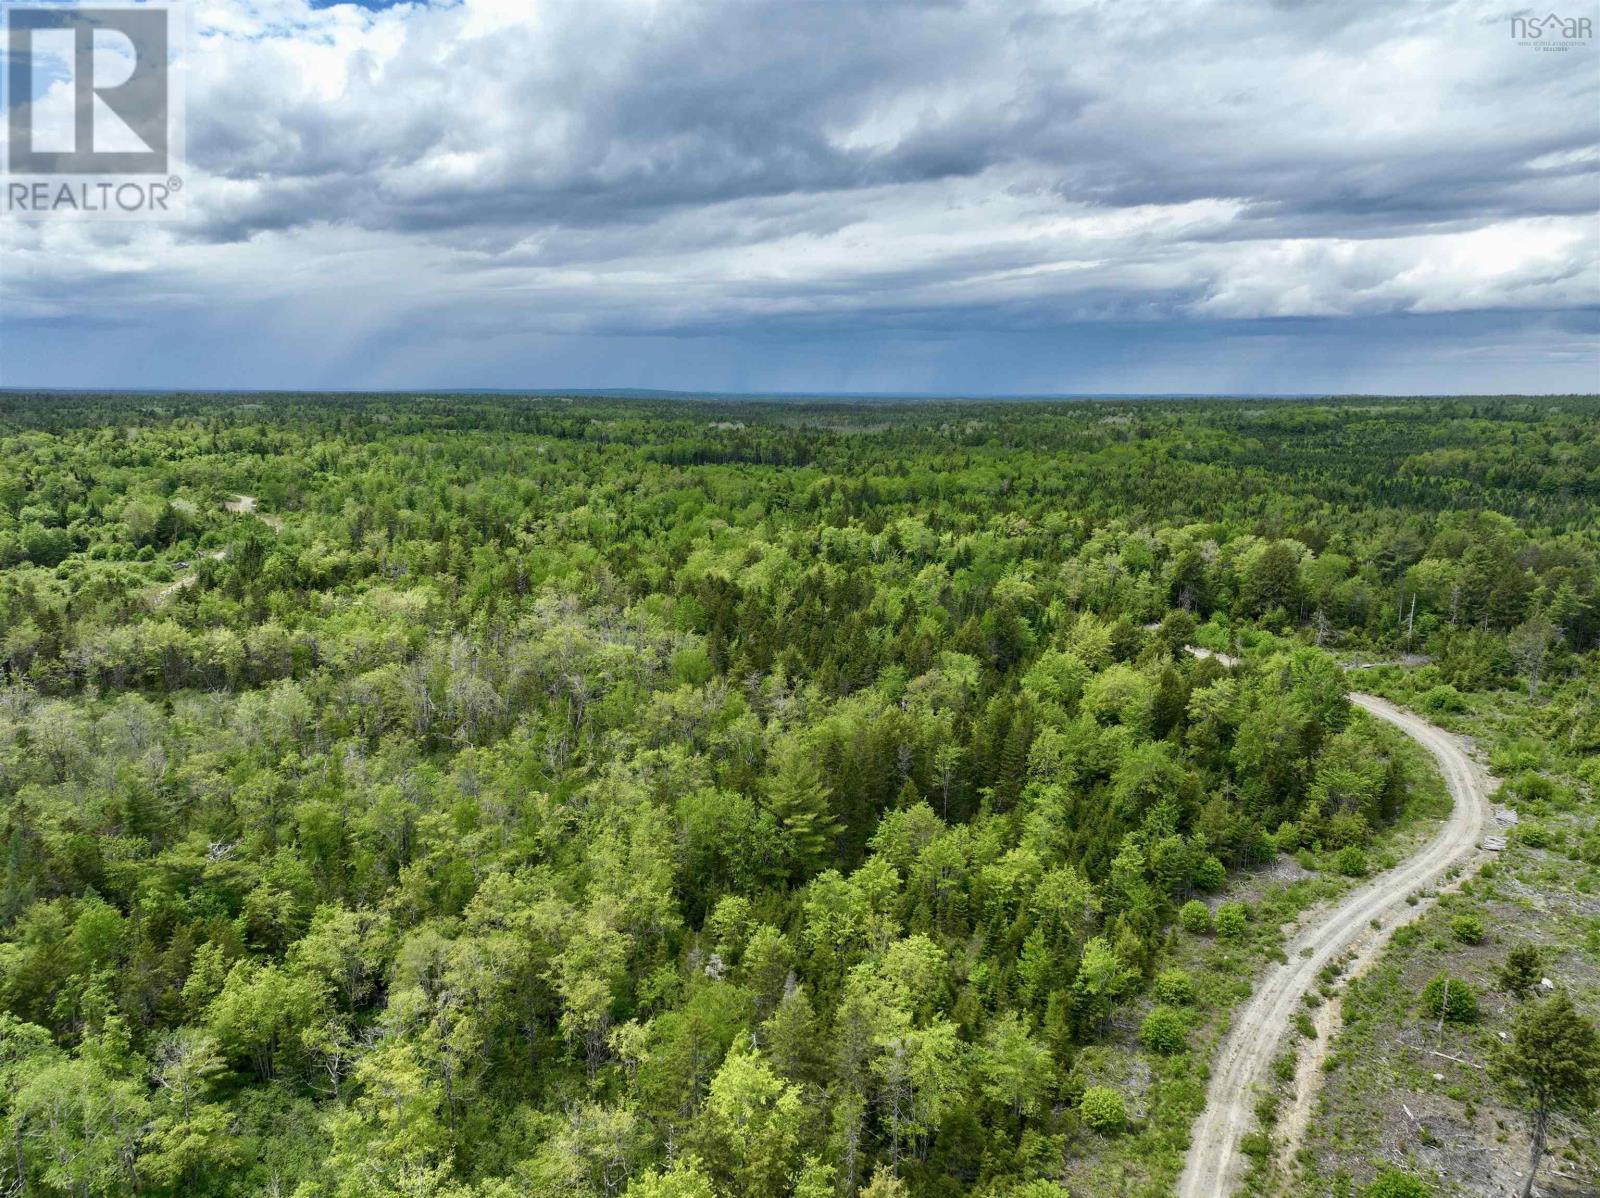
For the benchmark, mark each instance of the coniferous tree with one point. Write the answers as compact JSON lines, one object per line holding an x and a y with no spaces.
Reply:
{"x":798,"y":796}
{"x":1552,"y":1065}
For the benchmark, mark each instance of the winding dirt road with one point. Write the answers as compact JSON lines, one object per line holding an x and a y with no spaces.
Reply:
{"x":1214,"y":1162}
{"x":187,"y":579}
{"x":239,"y":505}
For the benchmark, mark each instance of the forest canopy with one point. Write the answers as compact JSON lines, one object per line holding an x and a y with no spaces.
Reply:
{"x":480,"y":796}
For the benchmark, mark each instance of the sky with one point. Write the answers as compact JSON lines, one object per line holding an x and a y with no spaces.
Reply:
{"x":995,"y":197}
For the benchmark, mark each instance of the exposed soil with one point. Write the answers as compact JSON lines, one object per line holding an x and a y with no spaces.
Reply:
{"x":1356,"y":927}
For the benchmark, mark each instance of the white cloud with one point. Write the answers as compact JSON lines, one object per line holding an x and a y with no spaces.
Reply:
{"x":1545,"y":263}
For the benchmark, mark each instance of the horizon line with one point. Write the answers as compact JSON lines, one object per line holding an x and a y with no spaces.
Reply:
{"x":687,"y":394}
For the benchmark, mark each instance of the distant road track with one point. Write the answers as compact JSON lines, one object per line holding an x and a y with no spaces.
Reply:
{"x":1213,"y":1166}
{"x":239,"y":505}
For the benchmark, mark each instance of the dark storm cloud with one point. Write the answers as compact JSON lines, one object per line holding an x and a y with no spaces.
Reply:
{"x":496,"y":174}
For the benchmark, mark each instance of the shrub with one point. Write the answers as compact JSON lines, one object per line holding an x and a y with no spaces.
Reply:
{"x":1351,"y":861}
{"x":1175,"y":986}
{"x":1441,"y":699}
{"x":1164,"y":1031}
{"x":1031,"y":1189}
{"x":1195,"y":917}
{"x":1346,"y":828}
{"x":1305,"y":1025}
{"x":1256,"y":1145}
{"x":1103,"y":1110}
{"x":1519,"y":972}
{"x":1518,"y":753}
{"x":1531,"y":788}
{"x":1450,"y":997}
{"x":1534,"y":836}
{"x":1468,"y":929}
{"x":1210,"y":874}
{"x":1231,"y":920}
{"x":1391,"y":1183}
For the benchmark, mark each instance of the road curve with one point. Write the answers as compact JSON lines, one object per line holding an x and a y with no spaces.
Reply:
{"x":1214,"y":1161}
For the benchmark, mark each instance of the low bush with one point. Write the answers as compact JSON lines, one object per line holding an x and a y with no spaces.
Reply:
{"x":1232,"y":919}
{"x":1441,"y":700}
{"x":1468,"y":929}
{"x":1175,"y":986}
{"x":1287,"y":838}
{"x":1164,"y":1031}
{"x":1392,"y":1183}
{"x":1210,"y":874}
{"x":1351,"y":861}
{"x":1520,"y":971}
{"x":1103,"y":1110}
{"x":1535,"y":836}
{"x":1344,"y":829}
{"x":1256,"y":1145}
{"x":1450,"y":997}
{"x":1195,"y":917}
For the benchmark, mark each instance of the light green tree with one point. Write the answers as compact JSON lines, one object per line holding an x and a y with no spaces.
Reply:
{"x":190,"y":1136}
{"x":754,"y":1121}
{"x":259,"y":1013}
{"x":1102,"y":979}
{"x":1015,"y":1068}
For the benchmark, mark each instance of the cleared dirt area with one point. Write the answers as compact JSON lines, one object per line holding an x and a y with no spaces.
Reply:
{"x":1355,"y":928}
{"x":239,"y":505}
{"x":245,"y":505}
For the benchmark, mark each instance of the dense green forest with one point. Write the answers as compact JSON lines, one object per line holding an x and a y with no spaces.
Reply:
{"x":488,"y":796}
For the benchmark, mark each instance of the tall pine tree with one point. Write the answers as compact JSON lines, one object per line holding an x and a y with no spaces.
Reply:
{"x":798,"y":796}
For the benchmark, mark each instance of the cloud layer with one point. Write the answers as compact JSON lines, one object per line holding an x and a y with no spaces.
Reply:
{"x":985,"y":196}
